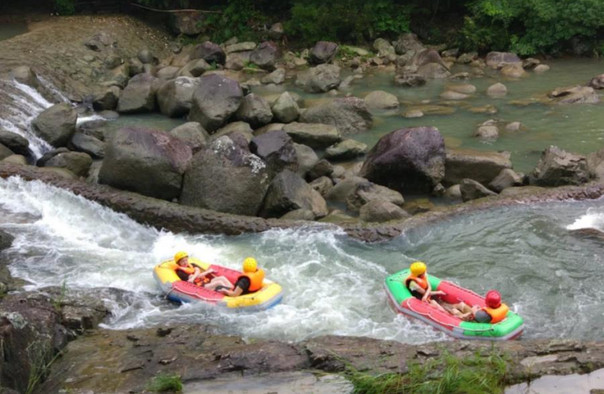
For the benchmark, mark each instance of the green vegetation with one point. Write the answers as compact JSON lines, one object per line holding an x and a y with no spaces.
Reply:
{"x":446,"y":374}
{"x":65,"y":7}
{"x":165,"y":382}
{"x":40,"y":357}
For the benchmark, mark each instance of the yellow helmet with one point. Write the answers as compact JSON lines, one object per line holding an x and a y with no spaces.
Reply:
{"x":418,"y":268}
{"x":250,"y":264}
{"x":180,"y":255}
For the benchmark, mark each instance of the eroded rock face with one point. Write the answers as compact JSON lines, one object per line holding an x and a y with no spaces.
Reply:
{"x":56,"y":125}
{"x":407,"y":160}
{"x":148,"y":162}
{"x":227,"y":178}
{"x":214,"y":101}
{"x":558,"y":167}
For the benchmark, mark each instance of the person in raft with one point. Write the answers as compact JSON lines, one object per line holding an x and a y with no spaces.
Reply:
{"x":249,"y":282}
{"x":494,"y":311}
{"x":419,"y":286}
{"x":195,"y":274}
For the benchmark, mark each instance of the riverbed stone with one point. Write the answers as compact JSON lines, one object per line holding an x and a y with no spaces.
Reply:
{"x":276,"y":148}
{"x":288,"y":192}
{"x":192,"y":134}
{"x":381,"y":211}
{"x":349,"y":114}
{"x":407,"y":160}
{"x":215,"y":100}
{"x":319,"y":79}
{"x":323,"y":52}
{"x":88,"y":144}
{"x":6,"y":240}
{"x":276,"y":77}
{"x":478,"y":165}
{"x":540,"y":69}
{"x":513,"y":71}
{"x":499,"y":59}
{"x":575,"y":95}
{"x":175,"y":97}
{"x":226,"y":178}
{"x":315,"y":135}
{"x":56,"y":125}
{"x":255,"y":110}
{"x":321,"y":168}
{"x":452,"y":95}
{"x":346,"y":149}
{"x":364,"y":192}
{"x":407,"y":42}
{"x":265,"y":55}
{"x":383,"y":47}
{"x":14,"y":142}
{"x":557,"y":167}
{"x":471,"y":190}
{"x":138,"y":95}
{"x":246,"y":46}
{"x":506,"y":178}
{"x":488,"y":130}
{"x":194,"y":68}
{"x":307,"y":158}
{"x":285,"y":108}
{"x":210,"y":52}
{"x":380,"y":99}
{"x":145,"y":161}
{"x":497,"y":90}
{"x":322,"y":185}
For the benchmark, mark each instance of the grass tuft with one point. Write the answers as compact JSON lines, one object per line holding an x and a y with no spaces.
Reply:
{"x":165,"y":382}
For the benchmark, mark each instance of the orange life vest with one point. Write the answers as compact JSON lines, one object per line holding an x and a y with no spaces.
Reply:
{"x":188,"y":269}
{"x":421,"y":282}
{"x":497,"y":314}
{"x":255,"y":278}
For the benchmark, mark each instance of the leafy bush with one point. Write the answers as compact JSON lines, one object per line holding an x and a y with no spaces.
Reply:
{"x":240,"y":18}
{"x":65,"y":7}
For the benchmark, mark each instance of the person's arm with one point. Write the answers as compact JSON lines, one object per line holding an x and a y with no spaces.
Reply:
{"x":236,"y":292}
{"x":241,"y":286}
{"x":428,"y":291}
{"x":195,"y":274}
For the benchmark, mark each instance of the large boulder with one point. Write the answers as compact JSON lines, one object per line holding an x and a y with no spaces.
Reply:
{"x":77,"y":162}
{"x":285,"y":108}
{"x":289,"y":192}
{"x":215,"y":100}
{"x":255,"y":110}
{"x":276,"y":148}
{"x":381,"y":211}
{"x":318,"y":136}
{"x":320,"y":79}
{"x":139,"y":95}
{"x":192,"y":134}
{"x":323,"y":52}
{"x":265,"y":55}
{"x":557,"y":167}
{"x":424,"y":64}
{"x":227,"y":178}
{"x":175,"y":97}
{"x":408,"y":42}
{"x":498,"y":60}
{"x":14,"y":142}
{"x":575,"y":95}
{"x":408,"y":160}
{"x":145,"y":161}
{"x":56,"y":125}
{"x":478,"y":165}
{"x":383,"y":47}
{"x":380,"y":99}
{"x":210,"y":52}
{"x":348,"y":114}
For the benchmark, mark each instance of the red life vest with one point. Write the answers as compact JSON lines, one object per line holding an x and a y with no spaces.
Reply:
{"x":497,"y":314}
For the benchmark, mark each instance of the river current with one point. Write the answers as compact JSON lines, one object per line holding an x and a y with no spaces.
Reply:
{"x":333,"y":284}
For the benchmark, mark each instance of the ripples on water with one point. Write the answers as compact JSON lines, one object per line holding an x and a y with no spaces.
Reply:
{"x":333,"y":284}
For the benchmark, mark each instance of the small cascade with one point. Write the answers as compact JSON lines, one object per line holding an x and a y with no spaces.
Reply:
{"x":20,"y":104}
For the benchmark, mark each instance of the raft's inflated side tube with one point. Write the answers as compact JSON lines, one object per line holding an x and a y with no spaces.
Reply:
{"x":181,"y":291}
{"x":402,"y":301}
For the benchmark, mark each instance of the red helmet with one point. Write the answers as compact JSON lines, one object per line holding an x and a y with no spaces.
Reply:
{"x":493,"y":299}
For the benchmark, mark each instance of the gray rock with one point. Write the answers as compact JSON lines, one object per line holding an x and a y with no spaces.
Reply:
{"x":49,"y":155}
{"x":191,"y":133}
{"x":320,"y":169}
{"x":88,"y":144}
{"x":170,"y":72}
{"x":407,"y":160}
{"x":139,"y":95}
{"x":481,"y":166}
{"x":383,"y":47}
{"x":77,"y":162}
{"x":380,"y":99}
{"x":471,"y":190}
{"x":276,"y":148}
{"x":381,"y":211}
{"x":322,"y":185}
{"x":299,"y":214}
{"x":146,"y":57}
{"x":148,"y":162}
{"x":6,"y":240}
{"x":410,"y":79}
{"x":135,"y":66}
{"x":348,"y":114}
{"x":194,"y":68}
{"x":254,"y":110}
{"x":365,"y":192}
{"x":315,"y":135}
{"x":26,"y":76}
{"x":541,"y":68}
{"x":14,"y":142}
{"x":451,"y":95}
{"x":289,"y":192}
{"x":307,"y":158}
{"x":408,"y":42}
{"x":487,"y":130}
{"x":597,"y":82}
{"x":246,"y":46}
{"x":237,"y":61}
{"x":557,"y":167}
{"x":513,"y":71}
{"x":285,"y":108}
{"x":265,"y":55}
{"x":339,"y":193}
{"x":226,"y":178}
{"x":500,"y":59}
{"x":56,"y":125}
{"x":188,"y":23}
{"x":16,"y":159}
{"x":506,"y":178}
{"x":210,"y":52}
{"x":276,"y":31}
{"x":320,"y":79}
{"x":575,"y":95}
{"x":215,"y":100}
{"x":5,"y":152}
{"x":277,"y":77}
{"x":346,"y":149}
{"x":497,"y":90}
{"x":241,"y":128}
{"x":175,"y":97}
{"x":106,"y":99}
{"x":323,"y":52}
